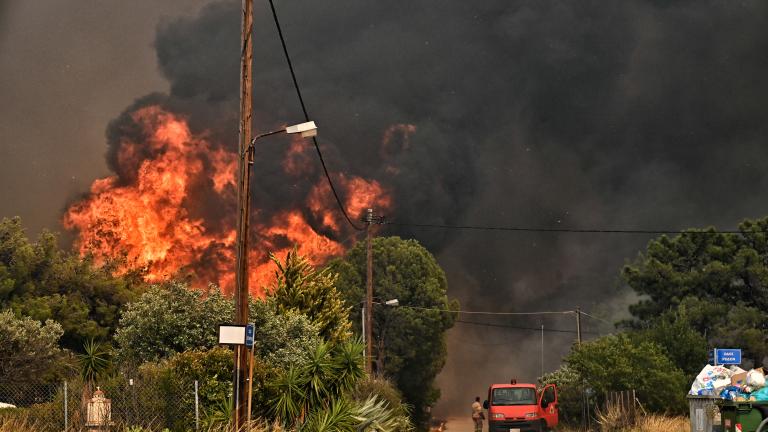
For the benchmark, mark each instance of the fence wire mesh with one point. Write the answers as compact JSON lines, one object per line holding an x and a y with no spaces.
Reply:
{"x":152,"y":404}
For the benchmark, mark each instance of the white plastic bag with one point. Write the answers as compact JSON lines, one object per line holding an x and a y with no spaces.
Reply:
{"x":755,"y":378}
{"x":711,"y":380}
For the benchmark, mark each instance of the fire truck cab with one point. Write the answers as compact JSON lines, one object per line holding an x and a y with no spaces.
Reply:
{"x":517,"y":407}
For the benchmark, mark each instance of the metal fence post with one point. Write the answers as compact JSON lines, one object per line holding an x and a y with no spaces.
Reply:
{"x":197,"y":407}
{"x":66,"y":408}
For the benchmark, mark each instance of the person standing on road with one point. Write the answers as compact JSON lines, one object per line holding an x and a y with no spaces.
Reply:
{"x":477,"y":415}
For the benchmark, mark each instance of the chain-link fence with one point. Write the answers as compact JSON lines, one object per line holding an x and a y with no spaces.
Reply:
{"x":152,"y":404}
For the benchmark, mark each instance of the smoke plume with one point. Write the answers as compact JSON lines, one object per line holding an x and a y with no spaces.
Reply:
{"x":589,"y":114}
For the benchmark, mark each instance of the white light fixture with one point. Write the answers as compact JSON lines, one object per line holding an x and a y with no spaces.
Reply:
{"x":308,"y":129}
{"x":393,"y":302}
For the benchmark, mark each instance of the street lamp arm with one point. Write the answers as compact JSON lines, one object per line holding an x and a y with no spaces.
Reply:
{"x":266,"y":134}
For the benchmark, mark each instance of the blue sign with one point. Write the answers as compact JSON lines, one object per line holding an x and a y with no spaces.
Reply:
{"x":727,"y":356}
{"x":249,"y":335}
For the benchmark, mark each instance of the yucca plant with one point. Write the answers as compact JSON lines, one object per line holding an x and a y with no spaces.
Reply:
{"x":95,"y":362}
{"x":379,"y":416}
{"x":348,"y":360}
{"x":220,"y":414}
{"x":320,"y":371}
{"x":289,"y":396}
{"x":339,"y":416}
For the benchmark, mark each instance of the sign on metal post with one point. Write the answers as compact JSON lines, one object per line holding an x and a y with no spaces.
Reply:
{"x":249,"y":331}
{"x":726,"y":356}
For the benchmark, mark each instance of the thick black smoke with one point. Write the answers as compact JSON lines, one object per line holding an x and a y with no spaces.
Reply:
{"x":580,"y":114}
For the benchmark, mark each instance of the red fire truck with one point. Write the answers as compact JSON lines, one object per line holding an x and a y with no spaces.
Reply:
{"x":517,"y":407}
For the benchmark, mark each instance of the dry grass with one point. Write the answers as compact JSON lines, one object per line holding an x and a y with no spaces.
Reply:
{"x":19,"y":423}
{"x":649,"y":423}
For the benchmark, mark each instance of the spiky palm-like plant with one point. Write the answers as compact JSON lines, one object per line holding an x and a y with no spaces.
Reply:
{"x":379,"y":416}
{"x":339,"y":416}
{"x":94,"y":363}
{"x":321,"y":376}
{"x":348,"y":362}
{"x":289,"y":396}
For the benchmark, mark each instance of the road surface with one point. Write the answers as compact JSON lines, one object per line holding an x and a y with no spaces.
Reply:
{"x":458,"y":424}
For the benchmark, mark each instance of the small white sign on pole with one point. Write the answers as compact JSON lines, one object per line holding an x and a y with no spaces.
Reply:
{"x":231,"y":334}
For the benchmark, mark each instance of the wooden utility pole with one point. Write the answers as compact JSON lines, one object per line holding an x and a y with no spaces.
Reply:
{"x":542,"y":350}
{"x":578,"y":325}
{"x":245,"y":151}
{"x":369,"y":292}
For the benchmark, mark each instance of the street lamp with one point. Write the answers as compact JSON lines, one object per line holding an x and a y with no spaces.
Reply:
{"x":242,"y":361}
{"x":307,"y":130}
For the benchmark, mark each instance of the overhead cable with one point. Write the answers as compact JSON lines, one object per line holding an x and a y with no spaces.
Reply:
{"x":306,"y":118}
{"x":560,"y":230}
{"x":487,"y":312}
{"x":596,"y":318}
{"x":523,"y":328}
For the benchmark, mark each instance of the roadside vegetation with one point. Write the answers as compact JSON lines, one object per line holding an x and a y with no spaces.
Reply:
{"x":70,"y":319}
{"x":698,"y":290}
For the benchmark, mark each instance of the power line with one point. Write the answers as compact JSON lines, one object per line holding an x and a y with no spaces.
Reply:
{"x":486,"y":312}
{"x":306,"y":118}
{"x":596,"y":318}
{"x":565,"y":230}
{"x":522,"y":328}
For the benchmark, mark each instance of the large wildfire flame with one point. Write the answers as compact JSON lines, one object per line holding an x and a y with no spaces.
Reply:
{"x":154,"y":219}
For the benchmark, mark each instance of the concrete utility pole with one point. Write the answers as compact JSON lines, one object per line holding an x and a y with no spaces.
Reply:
{"x":241,"y":357}
{"x":369,"y":217}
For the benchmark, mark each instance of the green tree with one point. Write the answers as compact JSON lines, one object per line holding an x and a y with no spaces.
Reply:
{"x":169,"y":319}
{"x":29,"y":350}
{"x":676,"y":335}
{"x":301,"y":288}
{"x":43,"y":282}
{"x":619,"y":362}
{"x":410,"y":342}
{"x":722,"y":277}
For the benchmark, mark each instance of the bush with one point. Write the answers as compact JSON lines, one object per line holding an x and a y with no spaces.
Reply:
{"x":169,"y":319}
{"x":570,"y":389}
{"x":382,"y":389}
{"x":619,"y":362}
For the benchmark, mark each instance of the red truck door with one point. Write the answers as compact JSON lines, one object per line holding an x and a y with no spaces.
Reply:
{"x":548,"y":405}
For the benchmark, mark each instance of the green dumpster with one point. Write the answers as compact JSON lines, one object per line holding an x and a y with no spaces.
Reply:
{"x":743,"y":416}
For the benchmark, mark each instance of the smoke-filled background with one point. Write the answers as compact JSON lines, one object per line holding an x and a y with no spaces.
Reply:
{"x":554,"y":114}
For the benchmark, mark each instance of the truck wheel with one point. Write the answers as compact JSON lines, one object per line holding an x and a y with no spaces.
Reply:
{"x":543,"y":426}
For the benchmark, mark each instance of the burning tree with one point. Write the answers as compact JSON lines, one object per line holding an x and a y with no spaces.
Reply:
{"x":170,"y":207}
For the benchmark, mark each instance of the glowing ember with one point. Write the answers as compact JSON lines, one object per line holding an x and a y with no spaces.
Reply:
{"x":157,"y":219}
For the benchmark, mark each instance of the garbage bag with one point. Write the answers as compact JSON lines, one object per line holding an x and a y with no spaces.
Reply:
{"x":732,"y":393}
{"x":711,"y":380}
{"x":755,"y":378}
{"x":759,"y":395}
{"x":736,"y":370}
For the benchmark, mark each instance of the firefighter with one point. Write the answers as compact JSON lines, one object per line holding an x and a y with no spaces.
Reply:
{"x":477,"y":414}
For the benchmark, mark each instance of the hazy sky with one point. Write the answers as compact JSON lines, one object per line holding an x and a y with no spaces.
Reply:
{"x":66,"y":69}
{"x":636,"y":114}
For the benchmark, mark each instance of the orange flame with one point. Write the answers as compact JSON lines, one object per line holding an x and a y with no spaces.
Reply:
{"x":154,"y":218}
